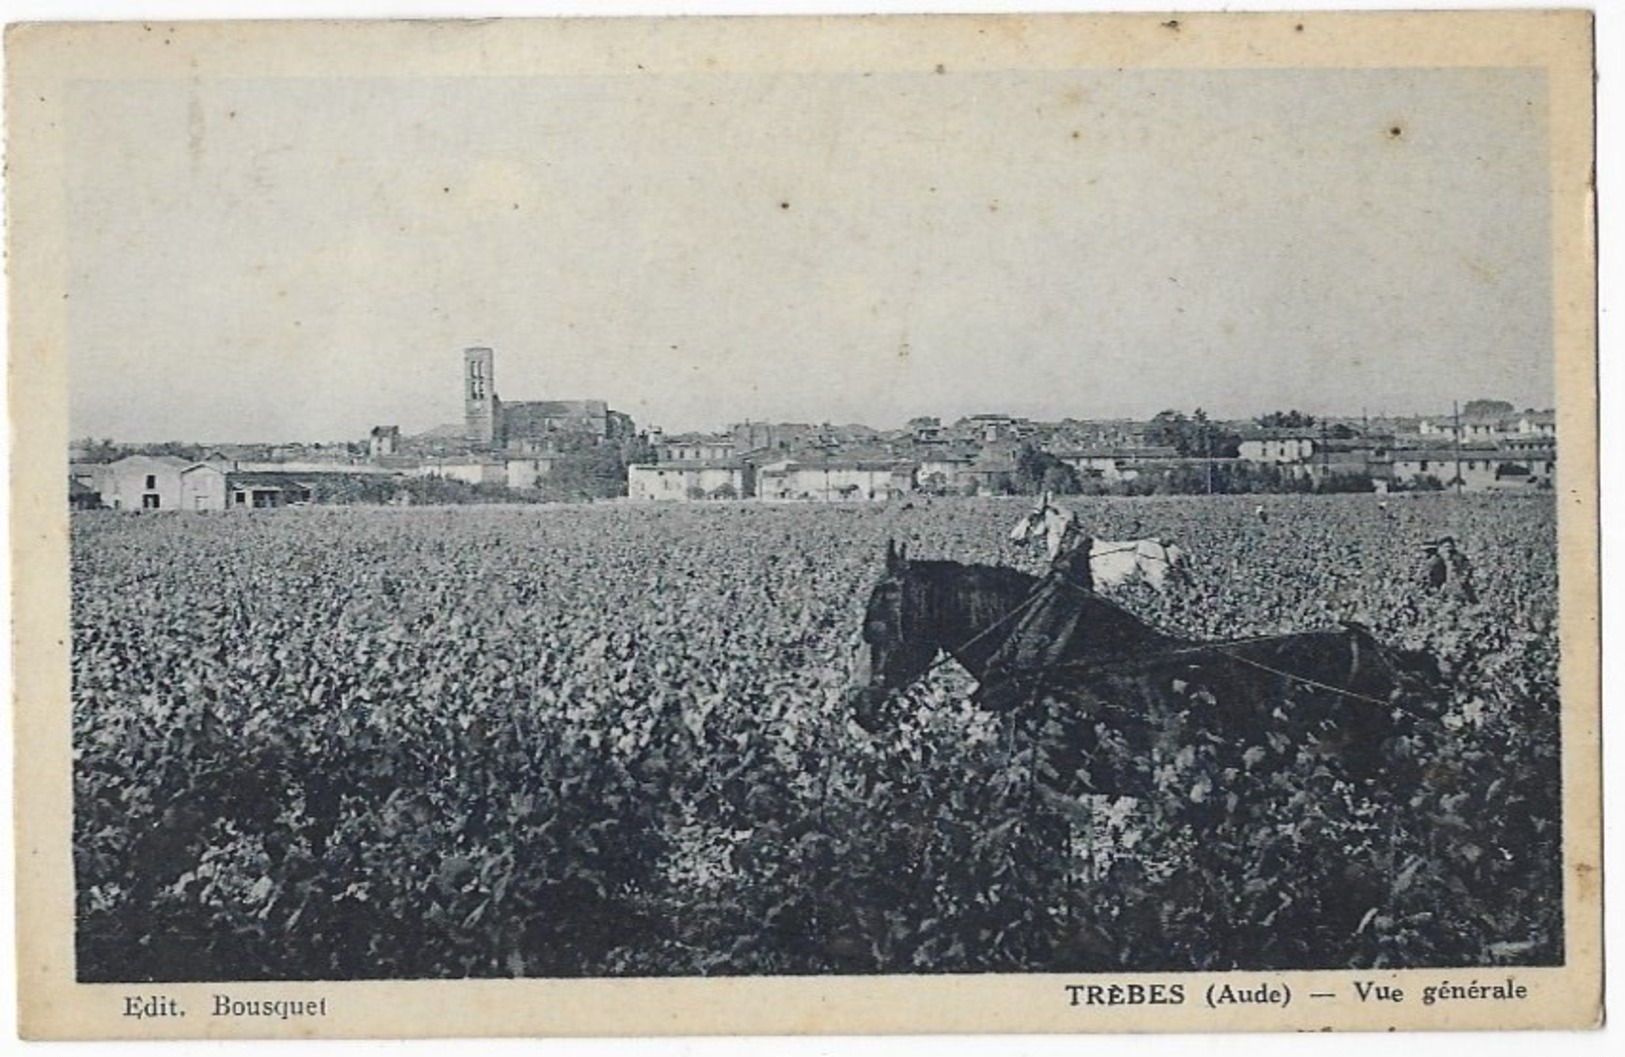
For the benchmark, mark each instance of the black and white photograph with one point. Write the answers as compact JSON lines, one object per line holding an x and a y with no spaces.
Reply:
{"x":929,"y":501}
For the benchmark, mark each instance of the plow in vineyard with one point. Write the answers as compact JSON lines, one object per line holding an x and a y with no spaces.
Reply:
{"x":593,"y":741}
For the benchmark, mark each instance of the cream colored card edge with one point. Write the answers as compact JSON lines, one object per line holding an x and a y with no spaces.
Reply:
{"x":44,"y":58}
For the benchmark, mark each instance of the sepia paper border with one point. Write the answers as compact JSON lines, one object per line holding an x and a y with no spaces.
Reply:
{"x":44,"y":58}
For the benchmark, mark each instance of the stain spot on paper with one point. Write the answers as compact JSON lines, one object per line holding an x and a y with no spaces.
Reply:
{"x":194,"y":128}
{"x":1585,"y":877}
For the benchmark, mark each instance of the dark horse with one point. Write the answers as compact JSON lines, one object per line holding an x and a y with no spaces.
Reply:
{"x":1339,"y":690}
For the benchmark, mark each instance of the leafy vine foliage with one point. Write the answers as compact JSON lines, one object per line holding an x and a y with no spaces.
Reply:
{"x":612,"y":741}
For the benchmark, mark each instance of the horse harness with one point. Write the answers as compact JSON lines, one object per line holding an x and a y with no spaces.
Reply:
{"x":1131,"y":663}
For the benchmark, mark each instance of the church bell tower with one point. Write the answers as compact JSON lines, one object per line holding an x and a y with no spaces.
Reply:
{"x":480,"y":408}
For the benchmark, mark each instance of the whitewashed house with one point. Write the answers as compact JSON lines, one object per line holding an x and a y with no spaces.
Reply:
{"x":1282,"y":447}
{"x":835,"y":480}
{"x":688,"y":480}
{"x":144,"y":482}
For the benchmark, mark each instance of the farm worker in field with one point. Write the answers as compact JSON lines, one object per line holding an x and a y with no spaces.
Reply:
{"x":1048,"y":621}
{"x":1448,"y":569}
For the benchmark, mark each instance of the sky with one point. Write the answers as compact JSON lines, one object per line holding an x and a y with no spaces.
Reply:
{"x":303,"y":259}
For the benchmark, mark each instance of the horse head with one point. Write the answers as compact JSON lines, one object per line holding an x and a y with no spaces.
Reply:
{"x":897,"y":644}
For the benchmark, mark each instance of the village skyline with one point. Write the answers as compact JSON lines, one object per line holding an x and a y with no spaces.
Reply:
{"x":452,"y":429}
{"x":542,"y":450}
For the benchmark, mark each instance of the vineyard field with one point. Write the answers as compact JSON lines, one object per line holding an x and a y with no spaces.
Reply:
{"x":613,"y":740}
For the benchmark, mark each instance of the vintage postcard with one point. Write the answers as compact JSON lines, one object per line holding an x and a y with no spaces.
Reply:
{"x":1049,"y":524}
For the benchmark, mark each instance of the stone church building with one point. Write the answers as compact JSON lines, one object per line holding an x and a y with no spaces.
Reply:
{"x":531,"y":426}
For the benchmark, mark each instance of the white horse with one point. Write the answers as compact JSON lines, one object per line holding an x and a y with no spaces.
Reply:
{"x":1112,"y":563}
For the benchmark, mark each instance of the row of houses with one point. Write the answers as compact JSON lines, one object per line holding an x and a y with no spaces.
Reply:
{"x":1483,"y":467}
{"x":162,"y":482}
{"x":799,"y":461}
{"x":517,"y":472}
{"x":826,"y":480}
{"x":168,"y":482}
{"x":1524,"y":457}
{"x":1513,"y":464}
{"x":1490,"y":428}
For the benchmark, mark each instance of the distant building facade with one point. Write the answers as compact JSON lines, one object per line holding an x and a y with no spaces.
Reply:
{"x":773,"y":436}
{"x":691,"y":447}
{"x":680,"y":481}
{"x":144,"y":482}
{"x":835,"y":480}
{"x":471,"y":469}
{"x":943,"y":472}
{"x":1481,"y":428}
{"x":167,"y":482}
{"x":1118,"y":464}
{"x":383,"y":441}
{"x":256,"y":490}
{"x":1509,"y":466}
{"x":203,"y":487}
{"x":1278,"y":446}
